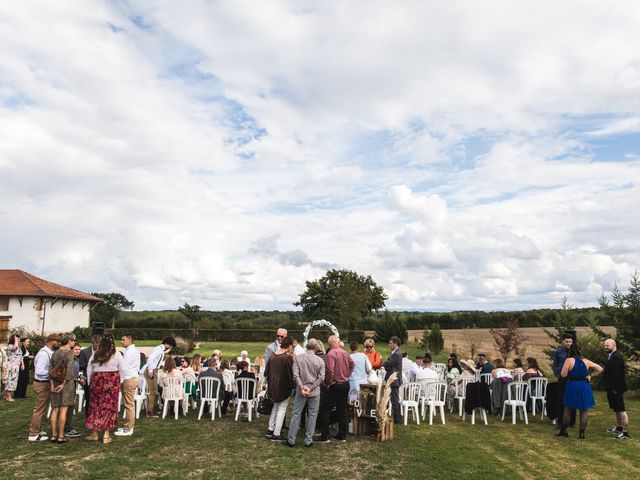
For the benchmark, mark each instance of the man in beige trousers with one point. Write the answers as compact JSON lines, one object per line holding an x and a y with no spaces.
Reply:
{"x":42,"y":387}
{"x":131,"y":360}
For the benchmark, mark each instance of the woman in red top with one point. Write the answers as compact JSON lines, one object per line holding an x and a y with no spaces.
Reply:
{"x":374,"y":357}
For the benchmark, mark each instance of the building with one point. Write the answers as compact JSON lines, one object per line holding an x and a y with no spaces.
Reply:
{"x":41,"y":306}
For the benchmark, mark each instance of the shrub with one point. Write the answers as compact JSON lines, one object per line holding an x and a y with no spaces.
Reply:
{"x":83,"y":334}
{"x":184,"y":346}
{"x":435,"y":339}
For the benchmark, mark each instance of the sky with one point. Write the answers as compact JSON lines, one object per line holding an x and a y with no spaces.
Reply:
{"x":466,"y":155}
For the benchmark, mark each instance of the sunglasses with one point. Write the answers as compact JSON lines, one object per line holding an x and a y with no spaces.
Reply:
{"x":279,"y":336}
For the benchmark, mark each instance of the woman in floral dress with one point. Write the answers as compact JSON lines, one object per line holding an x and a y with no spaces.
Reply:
{"x":11,"y":367}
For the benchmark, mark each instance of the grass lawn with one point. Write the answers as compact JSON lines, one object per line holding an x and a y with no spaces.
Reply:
{"x":188,"y":448}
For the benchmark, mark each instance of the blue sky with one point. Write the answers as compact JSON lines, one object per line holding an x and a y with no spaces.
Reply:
{"x":225,"y":153}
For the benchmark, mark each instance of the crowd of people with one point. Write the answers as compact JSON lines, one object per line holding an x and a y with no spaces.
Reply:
{"x":320,"y":381}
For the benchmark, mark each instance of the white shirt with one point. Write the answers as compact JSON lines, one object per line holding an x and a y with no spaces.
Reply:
{"x":155,"y":358}
{"x":131,"y":359}
{"x":413,"y":370}
{"x":42,"y":363}
{"x":114,"y":364}
{"x":406,"y":365}
{"x":298,"y":350}
{"x":426,"y":374}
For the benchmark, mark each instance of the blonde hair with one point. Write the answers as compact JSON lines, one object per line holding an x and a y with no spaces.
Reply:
{"x":196,"y":363}
{"x":369,"y":342}
{"x":259,"y":360}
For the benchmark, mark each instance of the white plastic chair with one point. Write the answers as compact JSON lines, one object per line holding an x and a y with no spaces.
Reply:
{"x":516,"y":398}
{"x":246,"y":389}
{"x":209,"y":388}
{"x":140,"y":397}
{"x":189,"y":380}
{"x":436,"y":397}
{"x":461,"y":392}
{"x":80,"y":396}
{"x":142,"y":392}
{"x":172,"y":391}
{"x":486,"y":378}
{"x":517,"y":377}
{"x":539,"y":386}
{"x":410,"y":400}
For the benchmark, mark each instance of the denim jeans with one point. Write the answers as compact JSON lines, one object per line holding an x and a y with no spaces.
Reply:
{"x":277,"y":416}
{"x":313,"y":404}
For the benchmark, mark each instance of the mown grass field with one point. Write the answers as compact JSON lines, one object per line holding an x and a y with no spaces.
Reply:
{"x":225,"y":449}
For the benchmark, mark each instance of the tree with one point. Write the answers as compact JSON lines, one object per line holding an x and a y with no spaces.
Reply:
{"x":562,"y":321}
{"x":391,"y":326}
{"x":436,"y":340}
{"x":508,"y":339}
{"x":432,"y":340}
{"x":343,"y":297}
{"x":623,"y":312}
{"x":192,"y":312}
{"x":112,"y":304}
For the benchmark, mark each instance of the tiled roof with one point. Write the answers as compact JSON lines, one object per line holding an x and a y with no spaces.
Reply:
{"x":19,"y":283}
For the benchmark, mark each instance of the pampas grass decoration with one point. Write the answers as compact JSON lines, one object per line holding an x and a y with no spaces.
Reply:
{"x":385,"y":423}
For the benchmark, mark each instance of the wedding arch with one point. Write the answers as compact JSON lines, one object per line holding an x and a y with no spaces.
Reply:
{"x":319,"y":323}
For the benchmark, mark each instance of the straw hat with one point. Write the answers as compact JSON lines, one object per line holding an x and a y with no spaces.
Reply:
{"x":468,"y":364}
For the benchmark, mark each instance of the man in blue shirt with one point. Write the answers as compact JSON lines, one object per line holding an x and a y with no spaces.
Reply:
{"x":483,"y":364}
{"x":559,"y":357}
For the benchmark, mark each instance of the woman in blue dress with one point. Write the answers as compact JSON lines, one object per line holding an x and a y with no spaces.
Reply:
{"x":577,"y":394}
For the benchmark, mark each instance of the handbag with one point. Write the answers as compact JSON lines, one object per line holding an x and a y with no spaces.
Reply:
{"x":373,"y":378}
{"x":58,"y":372}
{"x":265,"y":405}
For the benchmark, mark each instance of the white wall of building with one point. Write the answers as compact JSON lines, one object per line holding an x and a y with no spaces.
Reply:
{"x":62,"y":316}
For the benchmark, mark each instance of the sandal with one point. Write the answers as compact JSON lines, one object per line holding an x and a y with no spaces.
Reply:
{"x":63,"y":440}
{"x":53,"y":439}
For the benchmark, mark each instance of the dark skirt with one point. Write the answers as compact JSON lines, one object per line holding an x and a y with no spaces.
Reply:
{"x":102,"y":412}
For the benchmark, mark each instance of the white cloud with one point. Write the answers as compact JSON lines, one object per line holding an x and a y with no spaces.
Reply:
{"x":225,"y":153}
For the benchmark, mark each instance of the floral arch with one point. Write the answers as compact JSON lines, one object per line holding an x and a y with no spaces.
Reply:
{"x":319,"y":323}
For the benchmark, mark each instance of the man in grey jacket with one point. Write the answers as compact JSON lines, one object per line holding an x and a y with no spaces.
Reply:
{"x":308,"y":374}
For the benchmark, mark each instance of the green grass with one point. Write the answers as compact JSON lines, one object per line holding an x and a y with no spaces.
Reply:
{"x":188,"y":448}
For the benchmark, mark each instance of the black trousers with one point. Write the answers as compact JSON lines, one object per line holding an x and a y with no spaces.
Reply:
{"x":23,"y":382}
{"x":338,"y":396}
{"x":562,"y":383}
{"x":395,"y":404}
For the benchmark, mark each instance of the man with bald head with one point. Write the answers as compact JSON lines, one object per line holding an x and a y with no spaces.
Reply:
{"x":338,"y":368}
{"x":275,"y":346}
{"x":615,"y":383}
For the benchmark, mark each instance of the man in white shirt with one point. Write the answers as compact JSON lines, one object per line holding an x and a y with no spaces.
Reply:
{"x":427,"y":373}
{"x":406,"y":364}
{"x":131,"y":359}
{"x":417,"y":365}
{"x":42,"y":387}
{"x":151,"y":372}
{"x":297,"y":348}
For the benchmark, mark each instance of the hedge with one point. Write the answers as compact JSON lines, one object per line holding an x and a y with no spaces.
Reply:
{"x":230,"y":335}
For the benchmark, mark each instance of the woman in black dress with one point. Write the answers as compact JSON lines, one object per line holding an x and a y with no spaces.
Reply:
{"x":23,"y":377}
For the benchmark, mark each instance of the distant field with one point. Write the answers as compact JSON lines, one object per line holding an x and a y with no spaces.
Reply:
{"x":537,"y":340}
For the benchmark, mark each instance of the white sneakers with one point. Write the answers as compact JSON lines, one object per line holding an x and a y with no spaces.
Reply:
{"x":41,"y":437}
{"x":124,"y":432}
